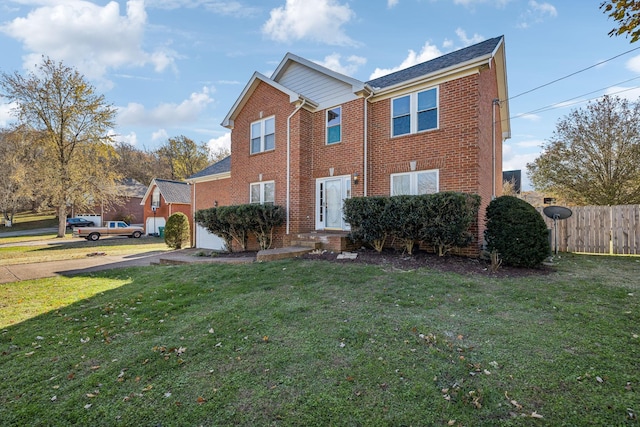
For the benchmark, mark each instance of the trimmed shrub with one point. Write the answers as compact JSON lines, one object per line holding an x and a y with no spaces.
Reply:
{"x":238,"y":222}
{"x":406,"y":214}
{"x":263,"y":219}
{"x":208,"y":218}
{"x":447,"y":218}
{"x":177,"y":231}
{"x":517,"y":232}
{"x":369,"y":219}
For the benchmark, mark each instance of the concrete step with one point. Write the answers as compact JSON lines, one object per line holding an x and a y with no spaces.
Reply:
{"x":282,"y":253}
{"x":312,"y":244}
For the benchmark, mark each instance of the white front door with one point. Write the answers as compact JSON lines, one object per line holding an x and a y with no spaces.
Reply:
{"x":330,"y":195}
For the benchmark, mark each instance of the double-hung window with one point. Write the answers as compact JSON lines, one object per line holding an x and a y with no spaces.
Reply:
{"x":155,"y":198}
{"x":334,"y":125}
{"x":263,"y":135}
{"x":413,"y":183}
{"x":262,"y":192}
{"x":415,"y":112}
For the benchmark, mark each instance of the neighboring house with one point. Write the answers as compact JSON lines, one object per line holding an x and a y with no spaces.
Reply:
{"x":162,"y":199}
{"x":129,"y":194}
{"x":308,"y":137}
{"x":210,"y":188}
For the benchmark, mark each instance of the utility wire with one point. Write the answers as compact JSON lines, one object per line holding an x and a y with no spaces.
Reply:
{"x":562,"y":104}
{"x":573,"y":74}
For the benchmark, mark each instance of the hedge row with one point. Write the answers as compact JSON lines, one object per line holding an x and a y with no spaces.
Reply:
{"x":440,"y":220}
{"x":237,"y":222}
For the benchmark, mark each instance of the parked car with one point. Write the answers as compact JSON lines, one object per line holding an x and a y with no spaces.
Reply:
{"x":79,"y":222}
{"x":112,"y":228}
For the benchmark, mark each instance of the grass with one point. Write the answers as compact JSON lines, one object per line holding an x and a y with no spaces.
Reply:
{"x":30,"y":221}
{"x":53,"y":249}
{"x":299,"y":343}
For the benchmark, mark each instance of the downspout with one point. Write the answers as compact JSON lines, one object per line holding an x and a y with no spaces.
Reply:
{"x":365,"y":177}
{"x":495,"y":102}
{"x":289,"y":158}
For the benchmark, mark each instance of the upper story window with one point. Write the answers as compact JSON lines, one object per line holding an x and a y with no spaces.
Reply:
{"x":334,"y":125}
{"x":262,"y":192}
{"x":155,"y":198}
{"x":415,"y":112}
{"x":414,"y":183}
{"x":263,"y":135}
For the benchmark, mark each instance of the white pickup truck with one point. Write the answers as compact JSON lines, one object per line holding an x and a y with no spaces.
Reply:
{"x":113,"y":228}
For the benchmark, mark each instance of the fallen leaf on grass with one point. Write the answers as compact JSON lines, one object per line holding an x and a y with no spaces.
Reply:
{"x":87,"y":406}
{"x":200,"y":400}
{"x":534,"y":414}
{"x":54,"y":398}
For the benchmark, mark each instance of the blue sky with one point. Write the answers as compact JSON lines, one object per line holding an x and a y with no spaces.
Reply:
{"x":175,"y":67}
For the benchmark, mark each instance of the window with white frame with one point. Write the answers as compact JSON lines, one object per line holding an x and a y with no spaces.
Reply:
{"x":262,"y":192}
{"x":413,"y":183}
{"x":155,"y":198}
{"x":334,"y":125}
{"x":263,"y":135}
{"x":415,"y":112}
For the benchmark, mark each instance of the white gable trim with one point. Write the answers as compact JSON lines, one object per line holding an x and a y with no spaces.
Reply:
{"x":356,"y":85}
{"x":248,"y":90}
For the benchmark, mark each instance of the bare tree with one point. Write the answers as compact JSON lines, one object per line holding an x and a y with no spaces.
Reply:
{"x":56,"y":102}
{"x":184,"y":156}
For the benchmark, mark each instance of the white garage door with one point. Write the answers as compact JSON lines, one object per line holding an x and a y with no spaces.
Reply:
{"x":206,"y":240}
{"x":153,"y":224}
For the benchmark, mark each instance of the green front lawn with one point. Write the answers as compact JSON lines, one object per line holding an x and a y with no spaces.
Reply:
{"x":303,"y":343}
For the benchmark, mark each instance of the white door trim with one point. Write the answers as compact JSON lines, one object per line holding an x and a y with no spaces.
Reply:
{"x":321,"y":207}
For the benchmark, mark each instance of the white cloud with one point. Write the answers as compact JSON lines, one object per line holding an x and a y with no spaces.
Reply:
{"x":634,"y":64}
{"x":166,"y":114}
{"x":333,"y":62}
{"x":6,"y":113}
{"x":468,"y":41}
{"x":231,"y":8}
{"x":130,"y":138}
{"x":517,"y":160}
{"x":630,"y":93}
{"x":529,"y":116}
{"x":392,"y":3}
{"x":318,"y":20}
{"x":87,"y":36}
{"x":159,"y":135}
{"x":428,"y":52}
{"x":222,"y":142}
{"x":537,"y":13}
{"x":471,"y":3}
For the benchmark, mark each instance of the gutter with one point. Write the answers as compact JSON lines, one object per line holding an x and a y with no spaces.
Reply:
{"x":289,"y":157}
{"x":365,"y":172}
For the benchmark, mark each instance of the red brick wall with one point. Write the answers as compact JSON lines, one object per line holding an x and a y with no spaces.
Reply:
{"x":209,"y":192}
{"x":166,"y":210}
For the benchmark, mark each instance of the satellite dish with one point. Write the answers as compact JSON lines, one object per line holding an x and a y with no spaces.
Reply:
{"x":557,"y":212}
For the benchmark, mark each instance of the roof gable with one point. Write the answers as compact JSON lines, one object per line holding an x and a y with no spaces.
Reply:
{"x":172,"y":191}
{"x":220,"y":167}
{"x":248,"y":90}
{"x":455,"y":59}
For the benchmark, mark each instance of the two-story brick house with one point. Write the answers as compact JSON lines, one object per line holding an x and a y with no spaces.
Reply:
{"x":308,"y":137}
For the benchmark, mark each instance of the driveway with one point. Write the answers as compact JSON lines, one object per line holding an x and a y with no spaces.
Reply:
{"x":19,"y":272}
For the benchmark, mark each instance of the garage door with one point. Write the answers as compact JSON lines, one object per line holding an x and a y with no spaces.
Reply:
{"x":206,"y":240}
{"x":153,"y":224}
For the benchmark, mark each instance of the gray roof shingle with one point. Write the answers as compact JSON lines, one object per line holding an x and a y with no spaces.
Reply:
{"x":174,"y":191}
{"x":445,"y":61}
{"x":222,"y":166}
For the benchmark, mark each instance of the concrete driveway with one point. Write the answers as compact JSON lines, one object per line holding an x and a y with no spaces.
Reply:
{"x":19,"y":272}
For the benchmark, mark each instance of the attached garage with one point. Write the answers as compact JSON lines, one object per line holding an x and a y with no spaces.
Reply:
{"x":206,"y":240}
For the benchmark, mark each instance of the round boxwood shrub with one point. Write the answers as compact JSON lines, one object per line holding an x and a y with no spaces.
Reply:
{"x":517,"y":232}
{"x":177,"y":232}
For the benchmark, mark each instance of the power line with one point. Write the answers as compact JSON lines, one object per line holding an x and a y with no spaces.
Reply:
{"x":573,"y":74}
{"x":562,"y":104}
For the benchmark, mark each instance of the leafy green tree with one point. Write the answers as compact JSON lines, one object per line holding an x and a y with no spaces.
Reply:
{"x":184,"y":156}
{"x":627,"y":14}
{"x":177,"y":232}
{"x":73,"y":124}
{"x":594,"y":155}
{"x":141,"y":165}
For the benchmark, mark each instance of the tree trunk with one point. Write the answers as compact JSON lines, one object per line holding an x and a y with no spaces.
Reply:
{"x":62,"y":221}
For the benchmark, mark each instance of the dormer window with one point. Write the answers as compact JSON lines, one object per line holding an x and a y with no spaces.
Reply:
{"x":334,"y":125}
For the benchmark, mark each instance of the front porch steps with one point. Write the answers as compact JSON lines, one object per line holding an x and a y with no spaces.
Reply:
{"x":282,"y":253}
{"x":303,"y":243}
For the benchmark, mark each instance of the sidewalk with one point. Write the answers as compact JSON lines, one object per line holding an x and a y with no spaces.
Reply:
{"x":19,"y":272}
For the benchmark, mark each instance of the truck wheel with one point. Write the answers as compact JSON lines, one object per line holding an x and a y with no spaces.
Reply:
{"x":93,"y":236}
{"x":136,"y":234}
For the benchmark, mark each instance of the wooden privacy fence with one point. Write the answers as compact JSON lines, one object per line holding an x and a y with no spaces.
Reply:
{"x":598,"y":230}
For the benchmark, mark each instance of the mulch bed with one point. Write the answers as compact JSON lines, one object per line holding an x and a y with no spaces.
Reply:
{"x":420,"y":259}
